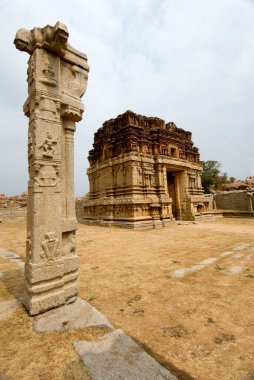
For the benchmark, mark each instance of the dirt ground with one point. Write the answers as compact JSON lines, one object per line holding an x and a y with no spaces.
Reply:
{"x":185,"y":293}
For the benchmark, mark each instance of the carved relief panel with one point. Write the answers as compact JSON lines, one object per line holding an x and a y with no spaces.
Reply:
{"x":75,"y":80}
{"x":46,"y":67}
{"x":30,"y":146}
{"x":69,"y":243}
{"x":49,"y":147}
{"x":50,"y":247}
{"x":45,"y":175}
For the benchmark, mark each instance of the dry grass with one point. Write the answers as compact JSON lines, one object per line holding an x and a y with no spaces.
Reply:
{"x":199,"y":326}
{"x":26,"y":354}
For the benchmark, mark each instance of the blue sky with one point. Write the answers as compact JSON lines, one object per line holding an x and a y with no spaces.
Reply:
{"x":185,"y":61}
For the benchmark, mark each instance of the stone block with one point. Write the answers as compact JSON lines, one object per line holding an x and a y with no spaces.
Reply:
{"x":37,"y":304}
{"x":40,"y":272}
{"x":71,"y":264}
{"x":116,"y":356}
{"x":79,"y":314}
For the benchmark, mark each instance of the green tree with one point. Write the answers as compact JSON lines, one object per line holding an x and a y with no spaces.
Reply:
{"x":211,"y":177}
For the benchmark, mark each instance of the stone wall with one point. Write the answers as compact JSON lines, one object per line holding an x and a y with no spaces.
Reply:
{"x":13,"y":214}
{"x":79,"y":208}
{"x":13,"y":208}
{"x":235,"y":200}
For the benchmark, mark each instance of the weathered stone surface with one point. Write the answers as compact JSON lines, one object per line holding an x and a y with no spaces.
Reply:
{"x":57,"y":79}
{"x":7,"y":308}
{"x":76,"y":315}
{"x":235,"y":200}
{"x":17,"y":214}
{"x":115,"y":356}
{"x":143,"y":173}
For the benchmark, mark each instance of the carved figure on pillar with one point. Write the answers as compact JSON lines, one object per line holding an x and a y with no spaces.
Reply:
{"x":49,"y":146}
{"x":57,"y":79}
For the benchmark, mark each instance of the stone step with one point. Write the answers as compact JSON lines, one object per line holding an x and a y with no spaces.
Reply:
{"x":205,"y":217}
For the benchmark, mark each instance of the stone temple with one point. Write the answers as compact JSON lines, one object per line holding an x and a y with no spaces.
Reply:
{"x":144,"y":173}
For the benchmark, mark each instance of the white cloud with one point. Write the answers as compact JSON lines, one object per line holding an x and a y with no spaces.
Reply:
{"x":186,"y":61}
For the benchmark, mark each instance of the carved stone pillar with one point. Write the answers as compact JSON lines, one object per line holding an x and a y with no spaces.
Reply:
{"x":57,"y":79}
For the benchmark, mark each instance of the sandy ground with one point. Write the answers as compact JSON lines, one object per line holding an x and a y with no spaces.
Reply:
{"x":185,"y":293}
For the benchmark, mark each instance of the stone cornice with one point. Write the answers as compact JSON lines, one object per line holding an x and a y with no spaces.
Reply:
{"x":51,"y":38}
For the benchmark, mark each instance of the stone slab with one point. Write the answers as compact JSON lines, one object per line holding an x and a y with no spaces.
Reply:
{"x":7,"y":254}
{"x":115,"y":356}
{"x":78,"y":314}
{"x":7,"y":308}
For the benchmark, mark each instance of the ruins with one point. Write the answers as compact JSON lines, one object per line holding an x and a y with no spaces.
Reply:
{"x":143,"y":173}
{"x":13,"y":207}
{"x":57,"y":78}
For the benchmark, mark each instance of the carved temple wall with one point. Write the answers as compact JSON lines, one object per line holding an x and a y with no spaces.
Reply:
{"x":143,"y":173}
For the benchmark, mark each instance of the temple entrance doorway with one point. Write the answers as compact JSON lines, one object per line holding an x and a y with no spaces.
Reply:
{"x":171,"y":183}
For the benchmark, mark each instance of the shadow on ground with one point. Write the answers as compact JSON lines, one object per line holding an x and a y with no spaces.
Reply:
{"x":180,"y":374}
{"x":14,"y":282}
{"x":75,"y":370}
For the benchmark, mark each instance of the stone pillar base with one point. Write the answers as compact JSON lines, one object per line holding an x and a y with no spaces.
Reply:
{"x":51,"y":284}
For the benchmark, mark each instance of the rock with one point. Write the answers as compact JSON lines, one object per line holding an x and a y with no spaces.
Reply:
{"x":76,"y":315}
{"x":115,"y":356}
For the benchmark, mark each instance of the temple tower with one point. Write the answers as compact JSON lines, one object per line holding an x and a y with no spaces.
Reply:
{"x":143,"y":173}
